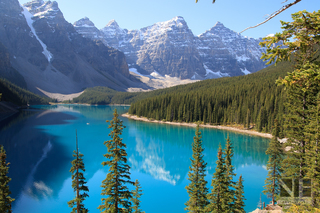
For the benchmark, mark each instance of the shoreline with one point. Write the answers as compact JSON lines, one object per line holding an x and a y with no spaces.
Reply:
{"x":85,"y":104}
{"x":234,"y":129}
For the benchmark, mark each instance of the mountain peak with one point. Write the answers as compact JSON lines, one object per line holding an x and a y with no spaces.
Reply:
{"x":218,"y":24}
{"x":36,"y":1}
{"x":42,"y":9}
{"x":178,"y":21}
{"x":113,"y":24}
{"x":84,"y":22}
{"x":33,"y":5}
{"x":178,"y":18}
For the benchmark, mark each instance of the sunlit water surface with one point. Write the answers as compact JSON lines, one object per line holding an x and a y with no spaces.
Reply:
{"x":40,"y":142}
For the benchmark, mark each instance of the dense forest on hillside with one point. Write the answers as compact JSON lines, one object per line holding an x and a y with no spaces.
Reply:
{"x":253,"y":101}
{"x":17,"y":95}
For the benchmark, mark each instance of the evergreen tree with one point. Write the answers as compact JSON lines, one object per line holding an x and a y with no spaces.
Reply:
{"x":197,"y":189}
{"x":275,"y":153}
{"x":314,"y":154}
{"x":5,"y":199}
{"x":229,"y":173}
{"x":118,"y":194}
{"x":136,"y":194}
{"x":239,"y":195}
{"x":248,"y":119}
{"x":78,"y":182}
{"x":217,"y":196}
{"x":299,"y":41}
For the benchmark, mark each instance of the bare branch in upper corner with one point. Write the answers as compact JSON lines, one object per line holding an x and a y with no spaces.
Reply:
{"x":274,"y":14}
{"x":213,"y":1}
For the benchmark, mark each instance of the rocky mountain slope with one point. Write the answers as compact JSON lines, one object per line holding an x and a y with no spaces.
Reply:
{"x":170,"y":48}
{"x":49,"y":55}
{"x":41,"y":51}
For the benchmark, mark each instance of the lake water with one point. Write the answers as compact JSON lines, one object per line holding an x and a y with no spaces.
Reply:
{"x":40,"y":142}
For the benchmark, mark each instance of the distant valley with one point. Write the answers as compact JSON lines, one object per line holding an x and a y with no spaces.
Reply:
{"x":42,"y":52}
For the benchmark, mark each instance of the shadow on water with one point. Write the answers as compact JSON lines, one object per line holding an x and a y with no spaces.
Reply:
{"x":30,"y":150}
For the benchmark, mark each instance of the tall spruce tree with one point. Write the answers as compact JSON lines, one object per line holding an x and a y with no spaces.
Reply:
{"x":314,"y":154}
{"x":239,"y":197}
{"x":228,"y":152}
{"x":78,"y":182}
{"x":217,"y":197}
{"x":5,"y":199}
{"x":136,"y":194}
{"x":197,"y":189}
{"x":299,"y":41}
{"x":114,"y":185}
{"x":275,"y":153}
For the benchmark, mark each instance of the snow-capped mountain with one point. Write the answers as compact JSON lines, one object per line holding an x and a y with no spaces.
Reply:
{"x":86,"y":27}
{"x":45,"y":53}
{"x":50,"y":55}
{"x":224,"y":51}
{"x":170,"y":48}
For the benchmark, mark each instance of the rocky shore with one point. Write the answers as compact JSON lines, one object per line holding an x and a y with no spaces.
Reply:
{"x":234,"y":129}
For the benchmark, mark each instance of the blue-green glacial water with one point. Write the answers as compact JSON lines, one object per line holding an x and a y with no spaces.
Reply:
{"x":39,"y":144}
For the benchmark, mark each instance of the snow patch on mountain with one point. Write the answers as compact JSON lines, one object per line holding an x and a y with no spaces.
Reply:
{"x":245,"y":71}
{"x":28,"y":16}
{"x":134,"y":70}
{"x":156,"y":74}
{"x":242,"y":58}
{"x":210,"y":74}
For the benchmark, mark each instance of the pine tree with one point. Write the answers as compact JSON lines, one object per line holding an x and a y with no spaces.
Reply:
{"x":314,"y":154}
{"x":248,"y":119}
{"x":217,"y":196}
{"x":239,"y":195}
{"x":5,"y":199}
{"x":229,"y":174}
{"x":78,"y":182}
{"x":275,"y":153}
{"x":299,"y":41}
{"x":197,"y":189}
{"x":136,"y":194}
{"x":118,"y":194}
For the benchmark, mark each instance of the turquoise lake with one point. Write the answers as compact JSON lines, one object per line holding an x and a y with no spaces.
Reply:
{"x":40,"y":142}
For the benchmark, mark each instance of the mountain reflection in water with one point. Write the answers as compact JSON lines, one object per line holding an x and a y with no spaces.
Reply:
{"x":40,"y":142}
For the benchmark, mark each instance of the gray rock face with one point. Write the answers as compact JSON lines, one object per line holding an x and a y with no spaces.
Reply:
{"x":51,"y":55}
{"x":170,"y":48}
{"x":87,"y":29}
{"x":226,"y":52}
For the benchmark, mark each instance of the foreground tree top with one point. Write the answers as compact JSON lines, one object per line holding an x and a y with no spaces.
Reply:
{"x":299,"y":39}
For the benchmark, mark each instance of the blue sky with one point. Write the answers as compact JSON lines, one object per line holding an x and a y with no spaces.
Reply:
{"x":234,"y":14}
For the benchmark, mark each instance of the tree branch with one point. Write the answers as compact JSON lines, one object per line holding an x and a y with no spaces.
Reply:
{"x":274,"y":14}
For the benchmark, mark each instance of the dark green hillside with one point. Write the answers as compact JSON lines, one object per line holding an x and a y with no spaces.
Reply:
{"x":247,"y":100}
{"x":254,"y":99}
{"x":17,"y":95}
